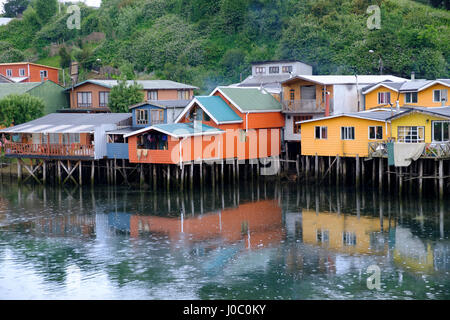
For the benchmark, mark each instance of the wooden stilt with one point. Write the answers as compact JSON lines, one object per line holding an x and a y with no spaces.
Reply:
{"x":155,"y":177}
{"x":59,"y":172}
{"x":420,"y":177}
{"x":316,"y":167}
{"x":80,"y":173}
{"x":357,"y":172}
{"x":168,"y":177}
{"x":338,"y":169}
{"x":182,"y":177}
{"x":380,"y":174}
{"x":441,"y":179}
{"x":44,"y":172}
{"x":19,"y":170}
{"x":92,"y":172}
{"x":191,"y":182}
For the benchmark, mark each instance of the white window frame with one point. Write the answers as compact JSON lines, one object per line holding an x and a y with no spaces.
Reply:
{"x":152,"y":95}
{"x":384,"y":94}
{"x":349,"y":238}
{"x":410,"y":95}
{"x":348,"y":133}
{"x":322,"y":128}
{"x":260,"y":70}
{"x":9,"y":72}
{"x":142,"y":116}
{"x":86,"y":99}
{"x":414,"y":138}
{"x":69,"y":138}
{"x":22,"y":73}
{"x":102,"y":97}
{"x":440,"y":95}
{"x":274,"y":68}
{"x":286,"y":69}
{"x":442,"y":130}
{"x":45,"y":72}
{"x":376,"y":128}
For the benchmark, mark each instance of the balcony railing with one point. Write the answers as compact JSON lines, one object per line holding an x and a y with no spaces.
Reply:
{"x":62,"y":150}
{"x":431,"y":150}
{"x":305,"y":105}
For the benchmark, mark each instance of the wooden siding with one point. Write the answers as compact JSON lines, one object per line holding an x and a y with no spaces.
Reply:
{"x":33,"y":72}
{"x":333,"y":145}
{"x":415,"y":119}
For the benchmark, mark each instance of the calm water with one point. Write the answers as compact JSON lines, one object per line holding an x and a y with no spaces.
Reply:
{"x":253,"y":242}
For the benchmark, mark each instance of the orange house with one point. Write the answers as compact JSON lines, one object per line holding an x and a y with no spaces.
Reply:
{"x":29,"y":72}
{"x":231,"y":123}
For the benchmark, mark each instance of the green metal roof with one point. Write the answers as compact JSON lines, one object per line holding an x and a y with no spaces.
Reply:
{"x":16,"y":88}
{"x":218,"y":109}
{"x":251,"y":99}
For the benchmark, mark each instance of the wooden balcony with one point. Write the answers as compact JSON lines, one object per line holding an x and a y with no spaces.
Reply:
{"x":434,"y":150}
{"x":72,"y":151}
{"x":304,"y":106}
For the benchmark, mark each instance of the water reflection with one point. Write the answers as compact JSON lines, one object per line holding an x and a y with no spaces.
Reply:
{"x":263,"y":241}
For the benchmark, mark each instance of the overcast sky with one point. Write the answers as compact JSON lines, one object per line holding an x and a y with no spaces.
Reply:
{"x":95,"y":3}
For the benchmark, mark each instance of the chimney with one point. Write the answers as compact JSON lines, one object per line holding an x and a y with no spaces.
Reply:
{"x":397,"y":106}
{"x":413,"y":76}
{"x":196,"y":123}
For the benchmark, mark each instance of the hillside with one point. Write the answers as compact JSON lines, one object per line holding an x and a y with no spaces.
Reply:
{"x":207,"y":42}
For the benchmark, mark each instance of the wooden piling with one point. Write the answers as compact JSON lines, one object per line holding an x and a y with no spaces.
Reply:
{"x":441,"y":179}
{"x":92,"y":172}
{"x":44,"y":172}
{"x":316,"y":167}
{"x":357,"y":172}
{"x":380,"y":174}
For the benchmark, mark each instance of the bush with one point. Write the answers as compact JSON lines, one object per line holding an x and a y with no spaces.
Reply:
{"x":16,"y":109}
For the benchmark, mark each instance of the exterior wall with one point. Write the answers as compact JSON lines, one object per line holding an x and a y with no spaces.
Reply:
{"x":346,"y":99}
{"x":117,"y":150}
{"x":298,"y":68}
{"x":54,"y":96}
{"x":320,"y":102}
{"x":168,"y":94}
{"x":371,"y":99}
{"x":333,"y":145}
{"x":289,"y":134}
{"x":31,"y":71}
{"x":424,"y":97}
{"x":146,"y":107}
{"x":87,"y":87}
{"x":415,"y":119}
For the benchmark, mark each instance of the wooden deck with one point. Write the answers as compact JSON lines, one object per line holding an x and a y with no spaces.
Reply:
{"x":435,"y":150}
{"x":74,"y":151}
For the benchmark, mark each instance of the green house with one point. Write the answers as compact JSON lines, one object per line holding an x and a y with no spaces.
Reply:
{"x":53,"y":95}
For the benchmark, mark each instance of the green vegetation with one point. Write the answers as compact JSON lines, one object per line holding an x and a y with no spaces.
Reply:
{"x":20,"y":108}
{"x":206,"y":43}
{"x":122,"y":96}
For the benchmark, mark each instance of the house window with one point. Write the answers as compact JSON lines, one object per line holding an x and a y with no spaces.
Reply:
{"x":411,"y":134}
{"x":286,"y":69}
{"x":153,"y":141}
{"x":321,"y":132}
{"x":322,"y":236}
{"x":347,"y":133}
{"x":440,"y":95}
{"x":198,"y":114}
{"x":157,"y":116}
{"x":9,"y":73}
{"x":260,"y":70}
{"x":54,"y":138}
{"x":274,"y":69}
{"x":411,"y":97}
{"x":292,"y":94}
{"x":141,"y":116}
{"x":69,"y":138}
{"x":44,"y":74}
{"x":103,"y":98}
{"x":441,"y":131}
{"x":84,"y":99}
{"x":184,"y":94}
{"x":152,"y":95}
{"x":297,"y":125}
{"x":349,"y":238}
{"x":384,"y":97}
{"x":21,"y":72}
{"x":376,"y":133}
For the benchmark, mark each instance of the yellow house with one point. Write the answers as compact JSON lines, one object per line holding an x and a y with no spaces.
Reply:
{"x":349,"y":135}
{"x":414,"y":93}
{"x":346,"y":135}
{"x":343,"y":233}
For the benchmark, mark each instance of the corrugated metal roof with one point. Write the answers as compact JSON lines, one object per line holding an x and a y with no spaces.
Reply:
{"x":68,"y":123}
{"x":347,"y":79}
{"x":179,"y":130}
{"x":122,"y":131}
{"x":146,"y":84}
{"x":17,"y":88}
{"x":218,"y":109}
{"x":250,"y":99}
{"x":163,"y":103}
{"x":406,"y":86}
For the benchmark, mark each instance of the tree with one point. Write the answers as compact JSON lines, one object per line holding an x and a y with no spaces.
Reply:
{"x":20,"y":108}
{"x":11,"y":55}
{"x":124,"y":95}
{"x":66,"y":59}
{"x":13,"y":8}
{"x":46,"y":9}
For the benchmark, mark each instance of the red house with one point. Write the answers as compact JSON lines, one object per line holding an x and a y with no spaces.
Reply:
{"x":28,"y":72}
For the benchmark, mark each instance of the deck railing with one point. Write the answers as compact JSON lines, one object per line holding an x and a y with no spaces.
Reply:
{"x":431,"y":150}
{"x":306,"y":106}
{"x":63,"y":150}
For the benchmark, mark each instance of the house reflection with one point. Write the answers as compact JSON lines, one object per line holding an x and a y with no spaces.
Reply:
{"x":258,"y":224}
